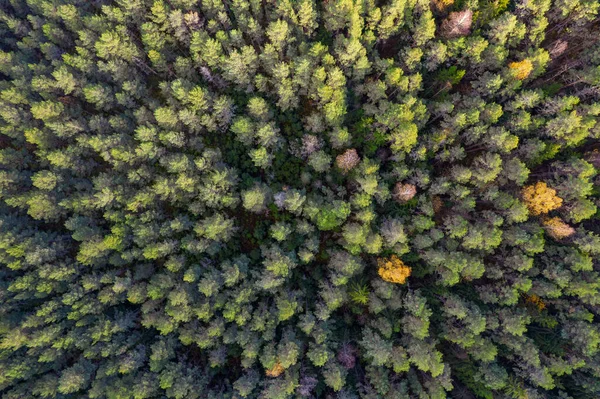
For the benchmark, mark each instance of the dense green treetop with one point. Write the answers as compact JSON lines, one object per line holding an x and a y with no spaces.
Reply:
{"x":299,"y":199}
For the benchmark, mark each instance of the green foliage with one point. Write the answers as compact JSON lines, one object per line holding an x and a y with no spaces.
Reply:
{"x":331,"y":216}
{"x":294,"y":199}
{"x":359,"y":293}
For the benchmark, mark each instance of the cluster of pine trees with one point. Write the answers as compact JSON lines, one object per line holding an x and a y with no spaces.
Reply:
{"x":299,"y":199}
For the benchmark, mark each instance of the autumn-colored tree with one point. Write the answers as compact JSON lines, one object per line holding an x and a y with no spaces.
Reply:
{"x":393,"y":270}
{"x":442,"y":5}
{"x":521,"y":69}
{"x":540,"y":198}
{"x":557,"y":228}
{"x":191,"y":192}
{"x":348,"y":160}
{"x":275,"y":371}
{"x":457,"y":24}
{"x":404,"y":192}
{"x":536,"y":301}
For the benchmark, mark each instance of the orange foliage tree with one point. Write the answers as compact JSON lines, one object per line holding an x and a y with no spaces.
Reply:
{"x":275,"y":371}
{"x":441,"y":5}
{"x":393,"y":270}
{"x":540,"y":198}
{"x":537,"y":301}
{"x":521,"y":69}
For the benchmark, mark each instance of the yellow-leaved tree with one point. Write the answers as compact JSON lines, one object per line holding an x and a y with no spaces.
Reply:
{"x":540,"y":198}
{"x":521,"y":69}
{"x":393,"y":270}
{"x":536,"y":300}
{"x":275,"y":371}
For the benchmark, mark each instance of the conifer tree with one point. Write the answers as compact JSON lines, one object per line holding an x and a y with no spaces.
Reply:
{"x":282,"y":199}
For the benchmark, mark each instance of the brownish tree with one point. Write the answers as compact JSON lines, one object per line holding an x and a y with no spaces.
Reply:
{"x":348,"y":160}
{"x":404,"y":192}
{"x":457,"y":24}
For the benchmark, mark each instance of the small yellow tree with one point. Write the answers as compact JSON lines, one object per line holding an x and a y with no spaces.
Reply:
{"x":275,"y":371}
{"x":540,"y":198}
{"x":393,"y":270}
{"x":557,"y":228}
{"x":521,"y":69}
{"x":441,"y":5}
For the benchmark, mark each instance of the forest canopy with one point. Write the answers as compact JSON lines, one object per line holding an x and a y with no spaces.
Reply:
{"x":299,"y":199}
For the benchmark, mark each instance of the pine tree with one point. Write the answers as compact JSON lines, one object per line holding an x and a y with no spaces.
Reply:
{"x":346,"y":199}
